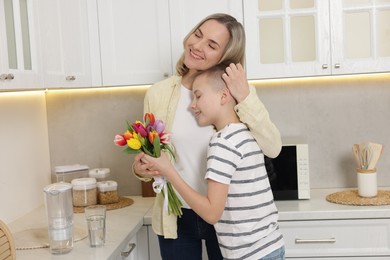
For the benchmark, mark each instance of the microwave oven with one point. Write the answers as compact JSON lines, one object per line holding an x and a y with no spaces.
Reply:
{"x":288,"y":173}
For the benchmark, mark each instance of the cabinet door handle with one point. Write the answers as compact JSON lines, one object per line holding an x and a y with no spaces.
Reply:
{"x":315,"y":241}
{"x":7,"y":76}
{"x":337,"y":65}
{"x":128,"y":252}
{"x":70,"y":78}
{"x":324,"y":66}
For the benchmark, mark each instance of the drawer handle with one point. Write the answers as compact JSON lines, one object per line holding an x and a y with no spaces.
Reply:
{"x":70,"y":78}
{"x":7,"y":76}
{"x":128,"y":252}
{"x":315,"y":241}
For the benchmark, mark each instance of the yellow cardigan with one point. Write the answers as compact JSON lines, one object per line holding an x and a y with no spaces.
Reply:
{"x":162,"y":98}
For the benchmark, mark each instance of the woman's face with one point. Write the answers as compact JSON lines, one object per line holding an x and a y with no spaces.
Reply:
{"x":205,"y":47}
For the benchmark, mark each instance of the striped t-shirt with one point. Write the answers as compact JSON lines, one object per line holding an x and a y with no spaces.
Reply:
{"x":248,"y":228}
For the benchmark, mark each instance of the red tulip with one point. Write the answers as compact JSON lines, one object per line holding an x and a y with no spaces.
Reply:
{"x":165,"y":137}
{"x":120,"y":140}
{"x":149,"y":118}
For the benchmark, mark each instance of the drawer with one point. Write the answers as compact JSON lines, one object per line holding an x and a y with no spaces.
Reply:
{"x":324,"y":238}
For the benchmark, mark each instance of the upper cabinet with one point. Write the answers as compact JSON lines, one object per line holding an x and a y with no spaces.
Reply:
{"x":73,"y":43}
{"x":293,"y":38}
{"x":134,"y":41}
{"x":19,"y":46}
{"x":360,"y":39}
{"x":65,"y":42}
{"x":141,"y":41}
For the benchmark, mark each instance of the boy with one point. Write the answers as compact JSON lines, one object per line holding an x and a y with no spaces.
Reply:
{"x":239,"y":201}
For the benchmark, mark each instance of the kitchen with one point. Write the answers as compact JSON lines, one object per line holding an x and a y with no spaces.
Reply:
{"x":67,"y":126}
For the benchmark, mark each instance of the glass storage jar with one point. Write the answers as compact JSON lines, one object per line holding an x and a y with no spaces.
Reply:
{"x":84,"y":192}
{"x":107,"y":192}
{"x":67,"y":173}
{"x":100,"y":174}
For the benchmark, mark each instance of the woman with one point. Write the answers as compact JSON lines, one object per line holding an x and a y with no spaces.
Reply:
{"x":217,"y":39}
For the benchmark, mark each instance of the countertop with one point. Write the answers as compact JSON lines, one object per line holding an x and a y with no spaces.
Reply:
{"x":122,"y":224}
{"x":317,"y":208}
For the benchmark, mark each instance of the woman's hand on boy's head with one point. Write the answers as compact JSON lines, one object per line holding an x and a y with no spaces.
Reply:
{"x":236,"y":81}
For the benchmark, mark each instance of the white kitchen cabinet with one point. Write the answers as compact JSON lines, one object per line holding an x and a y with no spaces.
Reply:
{"x":20,"y":66}
{"x":130,"y":251}
{"x":337,"y":238}
{"x":360,"y":39}
{"x":65,"y":43}
{"x":141,"y":41}
{"x":137,"y":248}
{"x":293,"y":38}
{"x":153,"y":245}
{"x":184,"y":15}
{"x":285,"y":38}
{"x":134,"y":41}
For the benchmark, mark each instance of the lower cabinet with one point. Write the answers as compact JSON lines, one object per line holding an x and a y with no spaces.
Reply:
{"x":137,"y":247}
{"x":337,"y":239}
{"x":154,"y":248}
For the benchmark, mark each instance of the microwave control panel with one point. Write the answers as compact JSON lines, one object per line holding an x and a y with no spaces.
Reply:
{"x":303,"y":171}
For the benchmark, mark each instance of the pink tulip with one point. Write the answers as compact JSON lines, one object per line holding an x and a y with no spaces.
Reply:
{"x":139,"y":128}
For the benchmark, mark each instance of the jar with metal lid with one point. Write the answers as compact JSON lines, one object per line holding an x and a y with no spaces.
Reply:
{"x":84,"y":192}
{"x":100,"y":174}
{"x":107,"y":192}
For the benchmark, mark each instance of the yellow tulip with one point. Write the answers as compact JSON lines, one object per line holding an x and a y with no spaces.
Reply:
{"x":134,"y":143}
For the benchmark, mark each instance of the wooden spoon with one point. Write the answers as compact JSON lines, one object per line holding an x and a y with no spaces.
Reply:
{"x":355,"y":150}
{"x":377,"y":150}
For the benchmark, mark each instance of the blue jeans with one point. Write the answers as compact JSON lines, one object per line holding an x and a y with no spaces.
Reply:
{"x":278,"y":254}
{"x":191,"y":229}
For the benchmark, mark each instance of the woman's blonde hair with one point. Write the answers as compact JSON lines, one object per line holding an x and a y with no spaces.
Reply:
{"x":235,"y":49}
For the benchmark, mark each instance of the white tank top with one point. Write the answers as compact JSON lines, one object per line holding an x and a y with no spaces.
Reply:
{"x":191,"y":142}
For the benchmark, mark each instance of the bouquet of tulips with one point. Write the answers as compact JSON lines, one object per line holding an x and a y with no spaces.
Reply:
{"x":150,"y":137}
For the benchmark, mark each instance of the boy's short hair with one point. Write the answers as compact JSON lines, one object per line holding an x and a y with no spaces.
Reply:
{"x":214,"y":74}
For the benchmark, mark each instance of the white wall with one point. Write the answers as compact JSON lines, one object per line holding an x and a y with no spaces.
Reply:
{"x":24,"y":153}
{"x":331,"y":114}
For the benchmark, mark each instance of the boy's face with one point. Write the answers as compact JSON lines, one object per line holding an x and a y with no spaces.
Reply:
{"x":206,"y":101}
